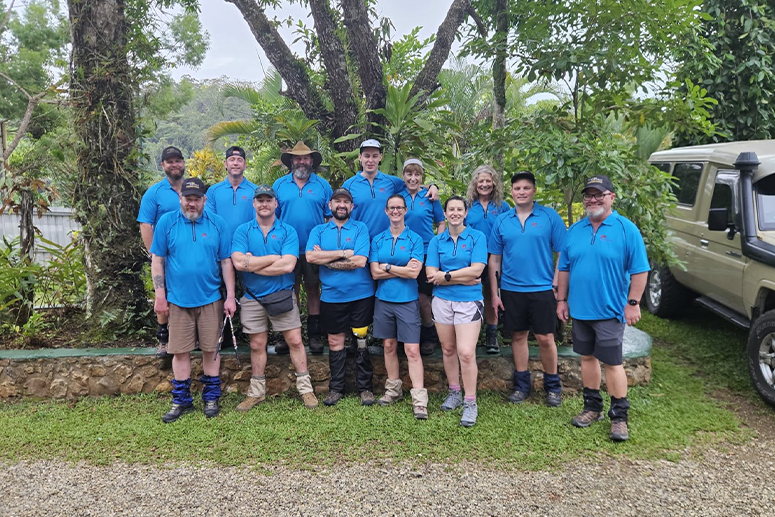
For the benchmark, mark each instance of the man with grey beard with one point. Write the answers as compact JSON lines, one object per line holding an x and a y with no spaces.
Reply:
{"x":302,"y":202}
{"x":191,"y":253}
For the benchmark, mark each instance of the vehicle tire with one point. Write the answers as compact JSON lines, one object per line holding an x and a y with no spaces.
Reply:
{"x":664,"y":296}
{"x":761,"y":356}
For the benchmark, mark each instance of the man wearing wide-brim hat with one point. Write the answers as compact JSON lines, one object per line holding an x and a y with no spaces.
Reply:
{"x":302,"y":199}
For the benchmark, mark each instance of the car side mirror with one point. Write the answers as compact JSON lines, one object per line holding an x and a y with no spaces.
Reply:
{"x":718,"y":220}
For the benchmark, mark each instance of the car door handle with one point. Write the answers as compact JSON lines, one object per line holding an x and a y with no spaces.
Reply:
{"x":704,"y":242}
{"x":734,"y":254}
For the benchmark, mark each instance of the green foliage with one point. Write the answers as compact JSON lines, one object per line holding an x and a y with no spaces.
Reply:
{"x":407,"y":57}
{"x":737,"y":70}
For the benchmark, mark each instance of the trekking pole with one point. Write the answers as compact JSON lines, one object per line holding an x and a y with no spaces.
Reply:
{"x":220,"y":339}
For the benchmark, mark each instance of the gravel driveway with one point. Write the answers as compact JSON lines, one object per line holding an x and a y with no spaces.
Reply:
{"x":730,"y":482}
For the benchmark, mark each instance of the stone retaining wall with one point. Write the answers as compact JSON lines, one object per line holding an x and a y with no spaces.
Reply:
{"x":66,"y":374}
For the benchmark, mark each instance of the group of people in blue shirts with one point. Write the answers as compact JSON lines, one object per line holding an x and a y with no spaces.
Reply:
{"x":381,"y":251}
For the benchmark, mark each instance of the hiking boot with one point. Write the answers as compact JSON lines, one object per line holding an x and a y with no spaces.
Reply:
{"x":453,"y":401}
{"x":332,"y":398}
{"x":393,"y":392}
{"x":553,"y":399}
{"x":427,"y":348}
{"x":211,"y":408}
{"x":619,"y":432}
{"x":161,"y":351}
{"x":587,"y":418}
{"x":517,"y":397}
{"x":315,"y":345}
{"x":177,"y":411}
{"x":310,"y":400}
{"x":470,"y":412}
{"x":367,"y":398}
{"x":281,"y":348}
{"x":420,"y":403}
{"x":492,"y":343}
{"x":249,"y":403}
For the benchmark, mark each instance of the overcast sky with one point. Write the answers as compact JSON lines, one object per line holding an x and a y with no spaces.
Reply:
{"x":235,"y":53}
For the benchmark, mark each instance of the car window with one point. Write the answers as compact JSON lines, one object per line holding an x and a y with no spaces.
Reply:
{"x":765,"y":202}
{"x":663,"y":166}
{"x":722,"y":198}
{"x":687,"y":176}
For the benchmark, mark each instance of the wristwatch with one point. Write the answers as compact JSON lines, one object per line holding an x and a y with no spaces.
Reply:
{"x":633,"y":302}
{"x":387,"y":268}
{"x":448,"y":276}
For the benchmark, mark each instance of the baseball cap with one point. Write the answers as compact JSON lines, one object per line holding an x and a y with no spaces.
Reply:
{"x":371,"y":142}
{"x":600,"y":182}
{"x":193,"y":187}
{"x":235,"y":150}
{"x":171,"y":152}
{"x":264,"y":190}
{"x":414,"y":161}
{"x":342,"y":192}
{"x":523,"y":175}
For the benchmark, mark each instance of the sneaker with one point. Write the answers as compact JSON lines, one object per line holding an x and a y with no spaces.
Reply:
{"x":315,"y":345}
{"x":281,"y":348}
{"x":587,"y":418}
{"x":619,"y":432}
{"x":310,"y":400}
{"x":517,"y":397}
{"x":177,"y":411}
{"x":553,"y":399}
{"x":332,"y":398}
{"x":470,"y":412}
{"x":249,"y":403}
{"x":161,"y":351}
{"x":211,"y":408}
{"x":453,"y":401}
{"x":420,"y":412}
{"x":367,"y":398}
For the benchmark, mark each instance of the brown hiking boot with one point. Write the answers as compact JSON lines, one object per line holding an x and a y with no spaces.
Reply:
{"x":332,"y":398}
{"x":161,"y":351}
{"x":310,"y":400}
{"x":420,"y":403}
{"x":249,"y":403}
{"x":367,"y":398}
{"x":393,"y":392}
{"x":587,"y":417}
{"x":619,"y":431}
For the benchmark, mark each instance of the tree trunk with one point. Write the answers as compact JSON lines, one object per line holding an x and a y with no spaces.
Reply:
{"x":106,"y":198}
{"x":500,"y":40}
{"x":26,"y":252}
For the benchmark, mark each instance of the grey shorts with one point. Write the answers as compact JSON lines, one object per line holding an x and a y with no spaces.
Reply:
{"x":255,"y":319}
{"x":310,"y":272}
{"x":397,"y":321}
{"x":446,"y":312}
{"x":599,"y":338}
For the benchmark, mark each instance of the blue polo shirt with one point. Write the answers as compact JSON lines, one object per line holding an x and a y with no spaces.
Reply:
{"x":305,"y":207}
{"x":396,"y":252}
{"x":370,"y":199}
{"x":483,"y":220}
{"x":281,"y":239}
{"x":234,"y":205}
{"x":192,"y":253}
{"x":527,"y":250}
{"x":343,"y":286}
{"x":447,"y":255}
{"x":600,"y":264}
{"x":159,"y":199}
{"x":421,"y":214}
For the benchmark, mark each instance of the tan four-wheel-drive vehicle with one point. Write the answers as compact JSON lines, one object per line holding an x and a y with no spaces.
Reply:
{"x":723,"y":230}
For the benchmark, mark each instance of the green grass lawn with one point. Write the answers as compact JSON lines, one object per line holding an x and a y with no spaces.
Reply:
{"x":691,"y":359}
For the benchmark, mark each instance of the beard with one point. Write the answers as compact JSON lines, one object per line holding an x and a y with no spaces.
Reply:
{"x":302,"y":172}
{"x":193,"y":216}
{"x":595,"y":213}
{"x":337,"y":215}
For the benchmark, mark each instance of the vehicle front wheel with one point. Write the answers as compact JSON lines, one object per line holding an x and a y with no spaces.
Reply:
{"x":664,"y":296}
{"x":761,"y":356}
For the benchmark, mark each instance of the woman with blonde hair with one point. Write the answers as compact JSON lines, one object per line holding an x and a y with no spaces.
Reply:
{"x":485,"y":202}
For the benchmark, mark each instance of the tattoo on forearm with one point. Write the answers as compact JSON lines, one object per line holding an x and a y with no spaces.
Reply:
{"x":158,"y":282}
{"x":246,"y":263}
{"x":343,"y":264}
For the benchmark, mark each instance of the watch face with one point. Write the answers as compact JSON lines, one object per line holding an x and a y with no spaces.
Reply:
{"x":632,"y":302}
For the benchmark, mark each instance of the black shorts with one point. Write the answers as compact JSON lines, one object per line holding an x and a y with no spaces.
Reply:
{"x":600,"y":338}
{"x":526,"y":311}
{"x":340,"y":318}
{"x":423,"y":285}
